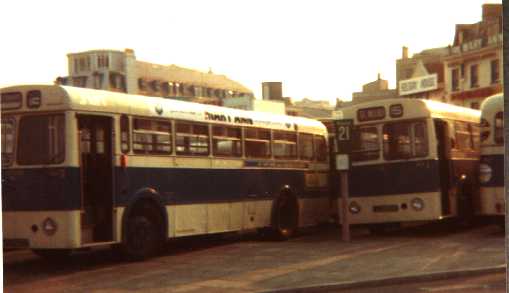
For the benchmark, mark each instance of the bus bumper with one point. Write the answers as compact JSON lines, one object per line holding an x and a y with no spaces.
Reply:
{"x":41,"y":229}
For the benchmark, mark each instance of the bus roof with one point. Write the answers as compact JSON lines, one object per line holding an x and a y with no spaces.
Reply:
{"x":56,"y":97}
{"x":492,"y":105}
{"x":405,"y":108}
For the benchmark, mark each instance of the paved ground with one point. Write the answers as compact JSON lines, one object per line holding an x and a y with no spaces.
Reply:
{"x":492,"y":283}
{"x":247,"y":264}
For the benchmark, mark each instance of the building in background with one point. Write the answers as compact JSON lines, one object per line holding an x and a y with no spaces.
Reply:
{"x":473,"y":68}
{"x":253,"y":104}
{"x":422,"y":75}
{"x":378,"y":89}
{"x":272,"y":90}
{"x":310,"y":109}
{"x":120,"y":71}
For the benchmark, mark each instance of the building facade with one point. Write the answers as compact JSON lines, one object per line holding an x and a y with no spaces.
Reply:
{"x":252,"y":104}
{"x":422,"y":75}
{"x":378,"y":89}
{"x":473,"y":68}
{"x":120,"y":71}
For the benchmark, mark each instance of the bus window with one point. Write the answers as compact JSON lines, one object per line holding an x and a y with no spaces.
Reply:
{"x":366,"y":145}
{"x":306,"y":147}
{"x":151,"y":136}
{"x":192,"y":139}
{"x":476,"y":136}
{"x":499,"y":128}
{"x":8,"y":135}
{"x":463,"y":136}
{"x":124,"y":134}
{"x":257,"y":143}
{"x":420,"y":139}
{"x":405,"y":140}
{"x":226,"y":141}
{"x":321,"y":150}
{"x":485,"y":129}
{"x":285,"y":145}
{"x":41,"y":139}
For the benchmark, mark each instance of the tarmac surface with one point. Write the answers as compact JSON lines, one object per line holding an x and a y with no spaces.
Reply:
{"x":316,"y":261}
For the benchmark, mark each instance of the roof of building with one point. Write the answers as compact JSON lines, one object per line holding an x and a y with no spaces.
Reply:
{"x":185,"y":75}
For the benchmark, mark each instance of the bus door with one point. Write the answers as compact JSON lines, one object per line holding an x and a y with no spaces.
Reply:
{"x":95,"y":148}
{"x":443,"y":146}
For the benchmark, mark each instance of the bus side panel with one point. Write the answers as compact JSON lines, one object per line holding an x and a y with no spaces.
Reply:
{"x":201,"y":201}
{"x":464,"y":195}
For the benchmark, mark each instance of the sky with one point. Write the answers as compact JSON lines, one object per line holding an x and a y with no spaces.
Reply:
{"x":319,"y":49}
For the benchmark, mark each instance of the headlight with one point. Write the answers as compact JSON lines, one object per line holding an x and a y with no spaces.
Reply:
{"x":49,"y":226}
{"x":485,"y":173}
{"x":417,"y":204}
{"x":354,"y":208}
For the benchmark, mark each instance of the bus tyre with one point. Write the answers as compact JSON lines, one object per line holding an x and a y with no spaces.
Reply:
{"x":53,"y":254}
{"x":142,"y":239}
{"x":285,"y":217}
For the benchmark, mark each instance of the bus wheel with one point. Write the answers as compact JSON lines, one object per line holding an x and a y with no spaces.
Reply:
{"x":286,"y":217}
{"x":143,"y":238}
{"x":53,"y":254}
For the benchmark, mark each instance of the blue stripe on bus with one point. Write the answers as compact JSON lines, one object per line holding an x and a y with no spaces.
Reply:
{"x":394,"y":178}
{"x":183,"y":186}
{"x":496,"y":163}
{"x":59,"y":188}
{"x":41,"y":189}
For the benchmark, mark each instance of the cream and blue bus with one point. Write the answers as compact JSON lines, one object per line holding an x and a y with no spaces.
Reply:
{"x":412,"y":160}
{"x":84,"y":168}
{"x":491,"y":169}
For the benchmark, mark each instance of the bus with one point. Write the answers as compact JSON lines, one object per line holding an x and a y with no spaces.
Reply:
{"x":412,"y":160}
{"x":491,"y":169}
{"x":84,"y":168}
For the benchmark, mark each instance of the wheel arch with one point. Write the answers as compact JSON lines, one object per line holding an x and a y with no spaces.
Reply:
{"x":152,"y":197}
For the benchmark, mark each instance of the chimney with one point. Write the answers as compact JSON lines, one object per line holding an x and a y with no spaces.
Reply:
{"x":405,"y":53}
{"x":491,"y":12}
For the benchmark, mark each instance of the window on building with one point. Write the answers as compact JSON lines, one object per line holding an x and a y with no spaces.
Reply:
{"x":366,"y":144}
{"x":192,"y":139}
{"x":405,"y":140}
{"x":284,"y":145}
{"x":103,"y":61}
{"x":80,"y":81}
{"x":226,"y":141}
{"x":76,"y":66}
{"x":98,"y":80}
{"x":499,"y":128}
{"x":142,"y":84}
{"x":82,"y":63}
{"x":306,"y":147}
{"x":495,"y":71}
{"x":257,"y":143}
{"x":474,"y":76}
{"x":151,"y":136}
{"x":454,"y":79}
{"x":165,"y":89}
